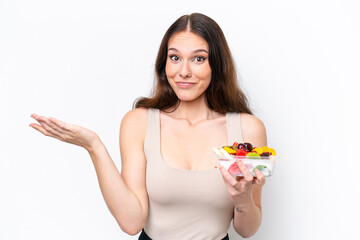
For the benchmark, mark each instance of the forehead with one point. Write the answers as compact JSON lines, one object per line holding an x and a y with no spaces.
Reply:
{"x":187,"y":41}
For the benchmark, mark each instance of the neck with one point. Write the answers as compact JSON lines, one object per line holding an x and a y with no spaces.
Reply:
{"x":194,"y":111}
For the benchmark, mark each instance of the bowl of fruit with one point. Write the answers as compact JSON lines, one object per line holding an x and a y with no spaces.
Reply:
{"x":262,"y":158}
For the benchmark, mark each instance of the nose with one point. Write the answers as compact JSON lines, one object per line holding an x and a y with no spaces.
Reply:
{"x":185,"y":71}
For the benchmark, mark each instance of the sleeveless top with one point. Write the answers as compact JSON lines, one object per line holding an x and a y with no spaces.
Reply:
{"x":186,"y":204}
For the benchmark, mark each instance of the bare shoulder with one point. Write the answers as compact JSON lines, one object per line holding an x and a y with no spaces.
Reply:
{"x":133,"y":129}
{"x":137,"y":115}
{"x":135,"y":120}
{"x":253,"y":130}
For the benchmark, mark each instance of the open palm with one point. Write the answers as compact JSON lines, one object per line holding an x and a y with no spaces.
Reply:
{"x":65,"y":132}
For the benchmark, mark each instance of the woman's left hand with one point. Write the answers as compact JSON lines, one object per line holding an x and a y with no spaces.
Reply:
{"x":240,"y":188}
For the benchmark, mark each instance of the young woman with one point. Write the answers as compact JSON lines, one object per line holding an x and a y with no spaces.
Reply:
{"x":169,"y":186}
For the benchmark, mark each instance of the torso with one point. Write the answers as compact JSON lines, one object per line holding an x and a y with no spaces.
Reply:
{"x":186,"y":193}
{"x":186,"y":146}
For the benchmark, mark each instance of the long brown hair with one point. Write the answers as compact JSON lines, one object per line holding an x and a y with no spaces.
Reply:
{"x":223,"y":94}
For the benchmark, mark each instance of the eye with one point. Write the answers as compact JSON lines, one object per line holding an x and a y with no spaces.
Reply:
{"x":199,"y":59}
{"x":174,"y":58}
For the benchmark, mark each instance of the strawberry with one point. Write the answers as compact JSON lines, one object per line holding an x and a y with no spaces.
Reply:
{"x":235,"y":144}
{"x":234,"y":169}
{"x":241,"y":152}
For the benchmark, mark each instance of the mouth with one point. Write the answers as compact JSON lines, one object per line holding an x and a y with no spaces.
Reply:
{"x":184,"y":84}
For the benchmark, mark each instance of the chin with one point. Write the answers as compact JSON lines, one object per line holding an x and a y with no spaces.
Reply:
{"x":187,"y":97}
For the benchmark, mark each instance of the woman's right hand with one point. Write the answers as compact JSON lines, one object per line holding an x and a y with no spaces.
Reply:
{"x":65,"y":132}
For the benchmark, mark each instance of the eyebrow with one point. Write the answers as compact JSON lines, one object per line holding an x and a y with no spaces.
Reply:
{"x":196,"y":51}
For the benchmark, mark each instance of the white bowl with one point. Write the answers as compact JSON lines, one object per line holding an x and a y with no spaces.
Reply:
{"x":264,"y":164}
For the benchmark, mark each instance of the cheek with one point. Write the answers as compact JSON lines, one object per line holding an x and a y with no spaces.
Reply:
{"x":169,"y":70}
{"x":204,"y":73}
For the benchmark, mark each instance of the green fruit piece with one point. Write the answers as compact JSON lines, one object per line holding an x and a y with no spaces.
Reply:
{"x":264,"y":169}
{"x":234,"y":147}
{"x":253,"y":155}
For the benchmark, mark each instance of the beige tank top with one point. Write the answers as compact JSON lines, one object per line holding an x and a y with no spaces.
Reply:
{"x":186,"y":204}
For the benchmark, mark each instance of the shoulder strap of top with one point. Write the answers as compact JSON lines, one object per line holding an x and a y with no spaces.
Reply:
{"x":233,"y":125}
{"x":152,"y":137}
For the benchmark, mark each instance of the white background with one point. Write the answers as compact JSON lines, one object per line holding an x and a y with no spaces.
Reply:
{"x":85,"y":62}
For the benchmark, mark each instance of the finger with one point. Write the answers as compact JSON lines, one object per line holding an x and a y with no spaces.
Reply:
{"x":38,"y":118}
{"x":56,"y":126}
{"x":45,"y":123}
{"x":51,"y":130}
{"x":55,"y":123}
{"x":60,"y":124}
{"x":62,"y":128}
{"x":39,"y":128}
{"x":245,"y":171}
{"x":260,"y":178}
{"x":35,"y":116}
{"x":45,"y":127}
{"x":227,"y":177}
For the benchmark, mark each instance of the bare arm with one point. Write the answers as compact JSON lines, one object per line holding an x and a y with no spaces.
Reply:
{"x":125,"y":198}
{"x":247,"y":221}
{"x":245,"y":191}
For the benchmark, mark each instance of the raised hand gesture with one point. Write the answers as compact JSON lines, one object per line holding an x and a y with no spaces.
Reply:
{"x":65,"y":132}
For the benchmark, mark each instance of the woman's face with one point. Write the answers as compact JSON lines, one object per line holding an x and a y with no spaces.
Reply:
{"x":187,"y":65}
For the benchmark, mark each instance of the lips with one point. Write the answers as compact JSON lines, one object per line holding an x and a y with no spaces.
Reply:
{"x":184,"y":84}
